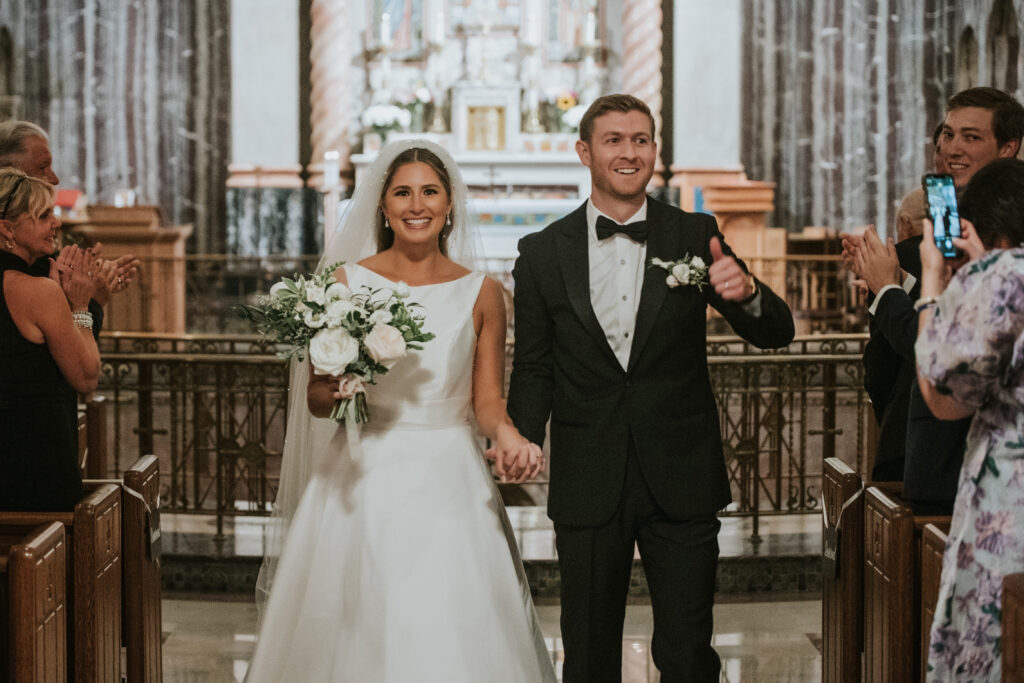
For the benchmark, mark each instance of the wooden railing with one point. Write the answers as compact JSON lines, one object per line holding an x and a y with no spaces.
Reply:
{"x":215,"y":407}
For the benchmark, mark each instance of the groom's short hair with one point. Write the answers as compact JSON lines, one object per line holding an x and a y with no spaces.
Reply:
{"x":608,"y":103}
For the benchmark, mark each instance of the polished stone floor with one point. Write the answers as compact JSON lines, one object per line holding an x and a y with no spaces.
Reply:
{"x":210,"y":641}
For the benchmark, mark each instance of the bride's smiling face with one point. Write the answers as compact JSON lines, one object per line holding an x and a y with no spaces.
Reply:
{"x":416,"y":204}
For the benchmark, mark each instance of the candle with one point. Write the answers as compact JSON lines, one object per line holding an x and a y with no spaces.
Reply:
{"x":531,"y":24}
{"x":590,"y":29}
{"x":385,"y":30}
{"x":332,"y":169}
{"x":439,"y":29}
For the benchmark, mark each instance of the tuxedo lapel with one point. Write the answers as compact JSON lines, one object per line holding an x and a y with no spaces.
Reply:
{"x":574,"y":259}
{"x":662,"y":242}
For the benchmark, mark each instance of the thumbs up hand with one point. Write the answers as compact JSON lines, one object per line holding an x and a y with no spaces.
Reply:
{"x":731,"y":282}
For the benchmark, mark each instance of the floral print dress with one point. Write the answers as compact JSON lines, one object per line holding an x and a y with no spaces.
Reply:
{"x":973,"y":349}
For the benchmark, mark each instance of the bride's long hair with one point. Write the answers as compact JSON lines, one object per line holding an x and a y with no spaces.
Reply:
{"x":356,"y":238}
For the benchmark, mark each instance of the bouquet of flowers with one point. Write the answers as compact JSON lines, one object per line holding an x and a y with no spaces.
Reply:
{"x":384,"y":118}
{"x":354,"y":335}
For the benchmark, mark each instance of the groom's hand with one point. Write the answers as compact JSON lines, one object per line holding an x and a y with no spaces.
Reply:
{"x":731,"y":282}
{"x":517,"y":464}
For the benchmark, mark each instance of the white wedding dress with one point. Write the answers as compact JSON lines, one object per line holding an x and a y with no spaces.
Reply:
{"x":400,"y":564}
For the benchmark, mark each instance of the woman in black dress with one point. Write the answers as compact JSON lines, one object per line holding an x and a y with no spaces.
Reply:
{"x":47,"y":351}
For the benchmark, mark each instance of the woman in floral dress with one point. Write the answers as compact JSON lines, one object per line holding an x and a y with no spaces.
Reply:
{"x":970,"y":361}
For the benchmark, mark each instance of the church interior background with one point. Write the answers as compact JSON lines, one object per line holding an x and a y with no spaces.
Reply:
{"x":219,"y":139}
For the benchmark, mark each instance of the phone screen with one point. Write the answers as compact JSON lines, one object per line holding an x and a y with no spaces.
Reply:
{"x":941,"y":197}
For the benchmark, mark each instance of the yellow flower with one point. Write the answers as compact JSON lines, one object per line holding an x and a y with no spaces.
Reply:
{"x":566,"y":101}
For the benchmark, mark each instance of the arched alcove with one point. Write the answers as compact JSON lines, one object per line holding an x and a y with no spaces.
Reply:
{"x":1003,"y":46}
{"x":967,"y":60}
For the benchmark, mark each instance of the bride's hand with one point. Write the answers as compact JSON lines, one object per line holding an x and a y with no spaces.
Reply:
{"x":515,"y":458}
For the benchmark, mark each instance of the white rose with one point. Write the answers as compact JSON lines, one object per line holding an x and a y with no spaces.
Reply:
{"x":658,"y":262}
{"x":381,"y":315}
{"x":338,"y":309}
{"x":697,"y":262}
{"x":331,"y":351}
{"x":278,"y":289}
{"x":385,"y":344}
{"x":314,"y":318}
{"x":315,"y":294}
{"x":401,"y":290}
{"x":338,"y":291}
{"x":350,"y":385}
{"x":681,"y":272}
{"x":671,"y":281}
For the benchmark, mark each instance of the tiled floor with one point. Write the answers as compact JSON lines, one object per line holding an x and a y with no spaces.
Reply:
{"x":210,"y":641}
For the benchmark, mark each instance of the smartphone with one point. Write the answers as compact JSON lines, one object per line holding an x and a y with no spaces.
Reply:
{"x":940,"y":196}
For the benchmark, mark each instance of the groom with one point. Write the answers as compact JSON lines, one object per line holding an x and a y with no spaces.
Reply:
{"x":615,"y":356}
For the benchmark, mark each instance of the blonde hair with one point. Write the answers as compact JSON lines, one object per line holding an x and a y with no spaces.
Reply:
{"x":20,"y":193}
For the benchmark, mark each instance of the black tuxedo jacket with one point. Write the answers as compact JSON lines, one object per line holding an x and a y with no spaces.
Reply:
{"x":931,"y":450}
{"x":564,"y":368}
{"x":889,"y":370}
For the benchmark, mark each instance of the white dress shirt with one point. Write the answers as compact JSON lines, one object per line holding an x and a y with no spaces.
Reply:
{"x":908,"y":284}
{"x":616,"y":276}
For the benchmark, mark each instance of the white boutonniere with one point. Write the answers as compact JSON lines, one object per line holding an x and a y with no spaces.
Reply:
{"x":689,"y":270}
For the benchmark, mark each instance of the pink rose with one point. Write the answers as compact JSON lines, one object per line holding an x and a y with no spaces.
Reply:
{"x":349,"y":385}
{"x":385,"y":344}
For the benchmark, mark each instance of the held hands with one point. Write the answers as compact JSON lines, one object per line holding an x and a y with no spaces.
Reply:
{"x":729,"y":280}
{"x":515,"y":458}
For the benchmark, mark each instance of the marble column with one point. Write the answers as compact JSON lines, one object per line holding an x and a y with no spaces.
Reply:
{"x":641,"y":61}
{"x":269,"y":210}
{"x":706,"y":101}
{"x":331,"y":86}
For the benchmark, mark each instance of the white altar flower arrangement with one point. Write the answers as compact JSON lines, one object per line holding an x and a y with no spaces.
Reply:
{"x":354,"y":335}
{"x":384,"y":118}
{"x":689,"y":270}
{"x":415,"y":101}
{"x":572,"y":116}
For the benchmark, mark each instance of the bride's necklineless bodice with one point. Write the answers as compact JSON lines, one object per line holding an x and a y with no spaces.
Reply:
{"x":432,"y":387}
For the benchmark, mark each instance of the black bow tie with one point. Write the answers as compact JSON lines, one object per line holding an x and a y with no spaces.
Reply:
{"x":636,"y":231}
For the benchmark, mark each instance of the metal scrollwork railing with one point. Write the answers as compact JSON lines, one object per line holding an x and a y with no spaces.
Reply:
{"x":214,"y":407}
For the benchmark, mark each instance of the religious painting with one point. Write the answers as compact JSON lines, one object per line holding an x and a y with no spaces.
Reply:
{"x":398,"y":26}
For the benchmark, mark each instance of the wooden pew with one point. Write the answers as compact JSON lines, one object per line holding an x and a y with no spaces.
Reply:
{"x":933,"y":545}
{"x":33,"y":605}
{"x":842,"y":585}
{"x":92,"y":437}
{"x":892,"y":617}
{"x":93,"y":533}
{"x":142,"y":592}
{"x":1013,"y":628}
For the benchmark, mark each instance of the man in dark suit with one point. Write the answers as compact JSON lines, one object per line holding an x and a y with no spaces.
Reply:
{"x":612,"y":349}
{"x":981,"y":125}
{"x":930,"y":451}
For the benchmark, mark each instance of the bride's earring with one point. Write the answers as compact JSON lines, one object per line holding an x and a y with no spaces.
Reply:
{"x":387,"y":225}
{"x":448,"y":222}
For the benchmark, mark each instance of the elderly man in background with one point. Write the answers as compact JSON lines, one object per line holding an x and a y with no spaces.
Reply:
{"x":26,"y":147}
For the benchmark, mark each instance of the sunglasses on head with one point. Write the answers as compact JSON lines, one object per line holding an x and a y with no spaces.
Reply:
{"x":10,"y":197}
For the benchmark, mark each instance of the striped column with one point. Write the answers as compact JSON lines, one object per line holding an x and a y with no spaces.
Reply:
{"x":641,"y":61}
{"x":330,"y":81}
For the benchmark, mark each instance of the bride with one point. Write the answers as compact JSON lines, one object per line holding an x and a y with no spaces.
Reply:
{"x":398,"y":562}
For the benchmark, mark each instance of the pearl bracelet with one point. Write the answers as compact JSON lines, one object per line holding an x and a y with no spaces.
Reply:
{"x":82,"y":319}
